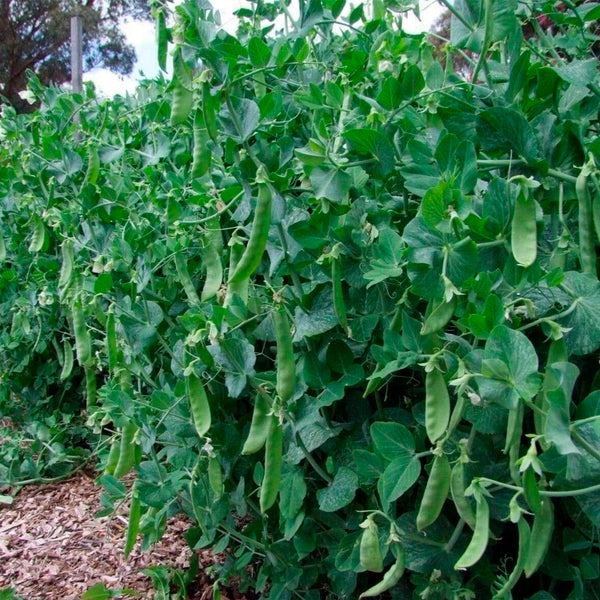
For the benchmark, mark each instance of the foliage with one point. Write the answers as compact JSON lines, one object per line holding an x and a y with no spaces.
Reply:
{"x":413,"y":338}
{"x":36,"y":35}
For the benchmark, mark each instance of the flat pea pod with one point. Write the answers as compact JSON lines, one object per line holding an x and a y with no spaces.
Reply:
{"x":531,"y":490}
{"x":391,"y":577}
{"x":587,"y":249}
{"x":457,"y":412}
{"x":211,"y":260}
{"x":112,"y":350}
{"x":39,"y":239}
{"x":437,"y":405}
{"x":259,"y":234}
{"x":133,"y":525}
{"x":240,"y":288}
{"x":182,"y":103}
{"x":201,"y":157}
{"x":541,"y":537}
{"x":83,"y":343}
{"x":436,"y":492}
{"x":273,"y":460}
{"x":2,"y":249}
{"x":113,"y":457}
{"x":93,"y":169}
{"x":514,"y":427}
{"x":186,"y":280}
{"x":162,"y":40}
{"x":370,"y":554}
{"x":215,"y":476}
{"x":91,"y":385}
{"x":439,"y":317}
{"x":67,"y":367}
{"x":339,"y":305}
{"x":126,"y":450}
{"x":480,"y":537}
{"x":524,"y":543}
{"x":65,"y":276}
{"x":259,"y":427}
{"x":286,"y":366}
{"x":457,"y":491}
{"x":523,"y":239}
{"x":199,"y":405}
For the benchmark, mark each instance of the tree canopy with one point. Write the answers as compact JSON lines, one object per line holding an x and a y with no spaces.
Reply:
{"x":36,"y":35}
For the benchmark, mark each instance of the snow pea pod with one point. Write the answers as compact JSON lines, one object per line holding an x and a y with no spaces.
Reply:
{"x":439,"y":317}
{"x":370,"y":555}
{"x":211,"y":260}
{"x":437,"y":405}
{"x":436,"y":492}
{"x":83,"y":343}
{"x":259,"y":427}
{"x":391,"y":577}
{"x":286,"y":366}
{"x":126,"y":450}
{"x":199,"y":405}
{"x":524,"y":543}
{"x":186,"y":280}
{"x":481,"y":535}
{"x":162,"y":40}
{"x":524,"y":229}
{"x":273,"y":460}
{"x":135,"y":512}
{"x":587,"y":249}
{"x":541,"y":536}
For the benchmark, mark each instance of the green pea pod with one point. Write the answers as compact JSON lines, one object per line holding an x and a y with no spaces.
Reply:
{"x":587,"y":249}
{"x":286,"y":366}
{"x":112,"y":351}
{"x":65,"y":276}
{"x":2,"y":249}
{"x":199,"y":405}
{"x":209,"y":112}
{"x":457,"y":491}
{"x":481,"y":535}
{"x":183,"y":97}
{"x":439,"y":317}
{"x":83,"y":343}
{"x":215,"y":476}
{"x":339,"y":305}
{"x":437,"y":405}
{"x":259,"y":234}
{"x":135,"y":512}
{"x":524,"y":229}
{"x":259,"y":428}
{"x":273,"y":461}
{"x":93,"y":169}
{"x":91,"y":386}
{"x":201,"y":157}
{"x":185,"y":280}
{"x":436,"y":492}
{"x":457,"y":412}
{"x":126,"y":450}
{"x":524,"y":543}
{"x":113,"y":457}
{"x":514,"y":427}
{"x":541,"y":537}
{"x":391,"y":577}
{"x":162,"y":40}
{"x":371,"y":558}
{"x":239,"y":288}
{"x":39,"y":240}
{"x":531,"y":490}
{"x":211,"y":260}
{"x":67,"y":367}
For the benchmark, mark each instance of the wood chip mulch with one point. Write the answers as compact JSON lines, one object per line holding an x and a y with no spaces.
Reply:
{"x":53,"y":548}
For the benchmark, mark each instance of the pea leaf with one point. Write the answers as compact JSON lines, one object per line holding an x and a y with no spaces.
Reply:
{"x":392,"y":440}
{"x":340,"y":492}
{"x":399,"y":476}
{"x":330,"y":184}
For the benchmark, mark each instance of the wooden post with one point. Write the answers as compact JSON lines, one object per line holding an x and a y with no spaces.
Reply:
{"x":76,"y":55}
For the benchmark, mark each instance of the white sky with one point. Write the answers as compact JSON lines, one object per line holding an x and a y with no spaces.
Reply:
{"x":142,"y":36}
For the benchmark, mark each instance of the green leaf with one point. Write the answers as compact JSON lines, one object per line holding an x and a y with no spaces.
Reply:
{"x":399,"y":476}
{"x":319,"y":319}
{"x":375,"y":143}
{"x":292,"y":491}
{"x":387,"y":258}
{"x":368,"y":465}
{"x":330,"y":185}
{"x":340,"y":492}
{"x":392,"y":440}
{"x":258,"y":52}
{"x":98,"y":592}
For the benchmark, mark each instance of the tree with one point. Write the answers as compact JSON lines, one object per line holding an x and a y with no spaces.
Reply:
{"x":35,"y":35}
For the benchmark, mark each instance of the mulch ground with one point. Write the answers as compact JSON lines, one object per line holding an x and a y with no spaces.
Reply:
{"x":53,"y":548}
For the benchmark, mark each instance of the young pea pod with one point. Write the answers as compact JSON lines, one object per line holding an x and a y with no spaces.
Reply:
{"x":457,"y":491}
{"x":339,"y":305}
{"x":202,"y":154}
{"x":199,"y":405}
{"x":215,"y":476}
{"x":240,"y":288}
{"x":541,"y":536}
{"x":587,"y":249}
{"x":524,"y":544}
{"x":259,"y":235}
{"x":135,"y":512}
{"x":182,"y":95}
{"x":93,"y":169}
{"x":211,"y":260}
{"x":524,"y":229}
{"x":83,"y":343}
{"x":531,"y":490}
{"x":273,"y":461}
{"x":286,"y":366}
{"x":259,"y":428}
{"x":113,"y":457}
{"x":439,"y":317}
{"x":371,"y":558}
{"x":437,"y":405}
{"x":481,"y":535}
{"x":185,"y":280}
{"x":391,"y":577}
{"x":67,"y":367}
{"x":126,"y":450}
{"x":436,"y":492}
{"x":112,"y":350}
{"x":162,"y":40}
{"x":2,"y":249}
{"x":65,"y":276}
{"x":39,"y":240}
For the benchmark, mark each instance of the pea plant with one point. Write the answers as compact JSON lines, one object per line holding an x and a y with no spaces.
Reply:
{"x":327,"y":296}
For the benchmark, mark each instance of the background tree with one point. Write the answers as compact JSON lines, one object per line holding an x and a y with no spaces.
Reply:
{"x":35,"y":35}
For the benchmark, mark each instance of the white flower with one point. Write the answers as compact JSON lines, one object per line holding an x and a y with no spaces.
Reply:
{"x":27,"y":95}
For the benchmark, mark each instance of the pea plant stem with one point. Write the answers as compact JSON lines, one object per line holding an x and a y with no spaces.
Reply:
{"x":548,"y":493}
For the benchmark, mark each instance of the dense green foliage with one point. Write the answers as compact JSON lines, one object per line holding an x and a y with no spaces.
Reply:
{"x":331,"y":300}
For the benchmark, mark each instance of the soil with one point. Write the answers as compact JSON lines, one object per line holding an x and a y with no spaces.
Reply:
{"x":52,"y":547}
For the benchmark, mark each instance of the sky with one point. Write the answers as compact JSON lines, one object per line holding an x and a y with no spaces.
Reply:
{"x":141,"y":35}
